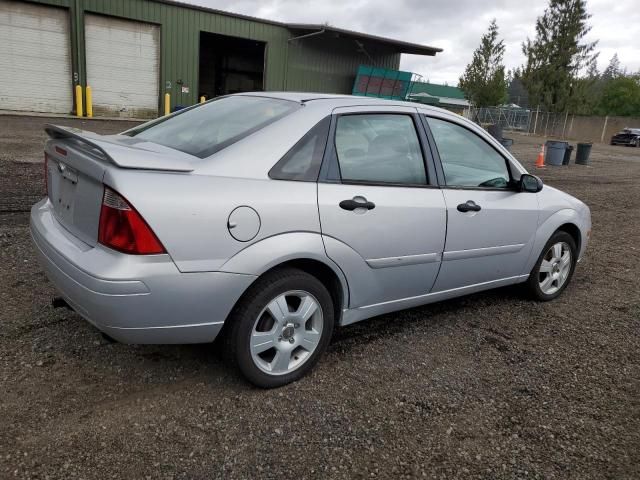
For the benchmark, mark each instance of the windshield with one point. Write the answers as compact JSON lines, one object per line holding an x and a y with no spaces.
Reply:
{"x":208,"y":128}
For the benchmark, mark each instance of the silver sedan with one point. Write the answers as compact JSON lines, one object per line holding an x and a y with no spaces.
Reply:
{"x":268,"y":219}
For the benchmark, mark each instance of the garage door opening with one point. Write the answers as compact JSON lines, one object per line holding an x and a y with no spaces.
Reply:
{"x":123,"y":66}
{"x":229,"y":65}
{"x":35,"y":58}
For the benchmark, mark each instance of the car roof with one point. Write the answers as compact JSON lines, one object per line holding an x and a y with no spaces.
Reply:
{"x":274,"y":140}
{"x":332,"y":100}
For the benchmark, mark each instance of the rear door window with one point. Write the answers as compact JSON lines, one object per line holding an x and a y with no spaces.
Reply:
{"x":379,"y":148}
{"x":208,"y":128}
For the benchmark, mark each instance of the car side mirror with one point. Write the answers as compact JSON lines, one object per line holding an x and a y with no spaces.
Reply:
{"x":530,"y":183}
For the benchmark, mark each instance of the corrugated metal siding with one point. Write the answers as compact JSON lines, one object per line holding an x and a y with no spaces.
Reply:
{"x":180,"y":37}
{"x":325,"y":64}
{"x":320,"y":63}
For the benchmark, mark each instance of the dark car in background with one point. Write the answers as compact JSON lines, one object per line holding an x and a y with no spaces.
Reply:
{"x":628,"y":136}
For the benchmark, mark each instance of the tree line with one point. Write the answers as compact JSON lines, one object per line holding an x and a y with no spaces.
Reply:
{"x":560,"y":73}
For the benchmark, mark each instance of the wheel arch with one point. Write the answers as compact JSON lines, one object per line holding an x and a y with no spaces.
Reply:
{"x":326,"y":275}
{"x":301,"y":250}
{"x":573,"y":230}
{"x":334,"y":284}
{"x":566,"y":220}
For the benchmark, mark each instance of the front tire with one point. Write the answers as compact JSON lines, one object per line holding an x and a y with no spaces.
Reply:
{"x":280,"y":328}
{"x":554,"y":268}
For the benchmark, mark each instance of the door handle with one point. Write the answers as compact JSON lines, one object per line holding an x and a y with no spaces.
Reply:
{"x":469,"y":206}
{"x":353,"y":204}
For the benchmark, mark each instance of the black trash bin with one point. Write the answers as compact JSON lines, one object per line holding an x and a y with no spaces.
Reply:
{"x":506,"y":143}
{"x":567,"y":155}
{"x":495,"y":131}
{"x":582,"y":154}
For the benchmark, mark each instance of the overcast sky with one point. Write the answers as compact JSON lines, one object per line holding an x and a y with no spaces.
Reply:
{"x":454,"y":25}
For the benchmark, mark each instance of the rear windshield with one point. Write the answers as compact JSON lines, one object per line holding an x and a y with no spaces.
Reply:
{"x":208,"y":128}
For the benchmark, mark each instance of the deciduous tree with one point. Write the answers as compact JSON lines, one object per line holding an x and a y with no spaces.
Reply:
{"x":621,"y":96}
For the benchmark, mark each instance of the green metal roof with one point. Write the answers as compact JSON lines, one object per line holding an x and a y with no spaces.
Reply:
{"x":441,"y":91}
{"x":400,"y":45}
{"x":425,"y":98}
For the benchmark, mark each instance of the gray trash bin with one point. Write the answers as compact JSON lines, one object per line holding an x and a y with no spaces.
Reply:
{"x":582,"y":154}
{"x":506,"y":143}
{"x":555,"y":152}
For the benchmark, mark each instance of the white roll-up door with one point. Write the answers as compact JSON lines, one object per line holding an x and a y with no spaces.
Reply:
{"x":123,"y":65}
{"x":35,"y":58}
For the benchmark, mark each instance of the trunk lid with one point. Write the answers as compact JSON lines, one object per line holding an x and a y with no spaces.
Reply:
{"x":76,"y":164}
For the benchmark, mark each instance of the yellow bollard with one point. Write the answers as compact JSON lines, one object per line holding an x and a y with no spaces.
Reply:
{"x":78,"y":100}
{"x":202,"y":99}
{"x":89,"y":102}
{"x":167,"y":103}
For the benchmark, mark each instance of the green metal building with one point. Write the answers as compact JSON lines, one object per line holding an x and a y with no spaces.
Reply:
{"x":133,"y":52}
{"x":444,"y":96}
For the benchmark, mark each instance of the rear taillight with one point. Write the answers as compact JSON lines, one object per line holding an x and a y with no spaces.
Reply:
{"x":123,"y":229}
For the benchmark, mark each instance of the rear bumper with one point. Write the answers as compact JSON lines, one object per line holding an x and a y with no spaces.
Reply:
{"x":134,"y":299}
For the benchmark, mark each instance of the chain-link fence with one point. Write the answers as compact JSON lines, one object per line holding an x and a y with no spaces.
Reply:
{"x":522,"y":120}
{"x":514,"y":119}
{"x":551,"y":124}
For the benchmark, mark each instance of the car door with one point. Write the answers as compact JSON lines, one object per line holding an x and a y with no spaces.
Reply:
{"x":491,"y":225}
{"x":381,"y":213}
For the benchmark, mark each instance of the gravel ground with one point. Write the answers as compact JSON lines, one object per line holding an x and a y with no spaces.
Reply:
{"x":487,"y":386}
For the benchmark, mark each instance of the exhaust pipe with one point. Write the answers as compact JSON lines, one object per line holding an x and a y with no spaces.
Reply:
{"x":59,"y":302}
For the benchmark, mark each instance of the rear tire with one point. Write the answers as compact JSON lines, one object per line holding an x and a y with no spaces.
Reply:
{"x":280,"y":328}
{"x":554,"y":269}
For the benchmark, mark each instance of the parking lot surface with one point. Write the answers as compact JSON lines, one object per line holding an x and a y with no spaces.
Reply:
{"x":488,"y":386}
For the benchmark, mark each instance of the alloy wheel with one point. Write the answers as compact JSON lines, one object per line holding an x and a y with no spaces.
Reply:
{"x":286,"y":333}
{"x":555,"y":268}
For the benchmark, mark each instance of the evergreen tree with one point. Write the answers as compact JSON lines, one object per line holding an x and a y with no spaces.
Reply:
{"x":592,"y":71}
{"x":614,"y":69}
{"x":483,"y":81}
{"x":517,"y":92}
{"x":557,"y":54}
{"x":587,"y":91}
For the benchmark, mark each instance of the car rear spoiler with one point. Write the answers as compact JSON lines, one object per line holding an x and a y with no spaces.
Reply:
{"x":124,"y":151}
